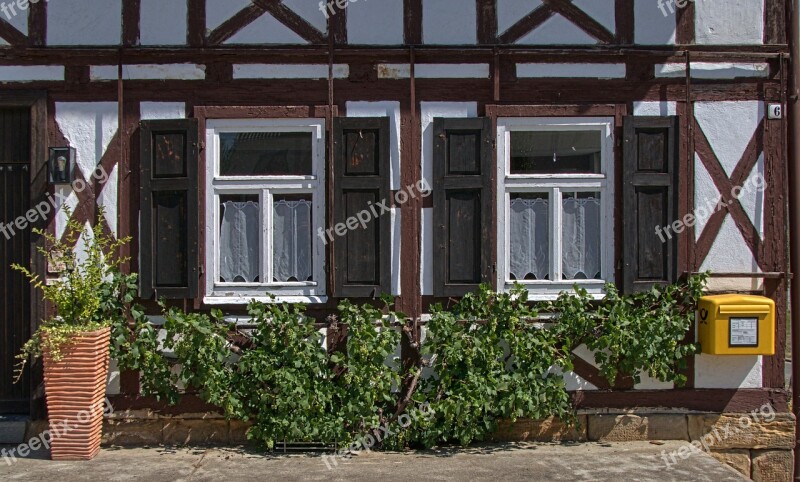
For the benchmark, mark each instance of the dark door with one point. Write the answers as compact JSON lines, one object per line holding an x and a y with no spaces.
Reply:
{"x":15,"y":300}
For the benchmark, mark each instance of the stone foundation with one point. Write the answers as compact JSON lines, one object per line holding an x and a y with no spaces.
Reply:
{"x":749,"y":443}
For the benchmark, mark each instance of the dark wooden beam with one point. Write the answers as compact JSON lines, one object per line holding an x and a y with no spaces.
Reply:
{"x":412,"y":22}
{"x":525,"y":25}
{"x":775,"y":21}
{"x":196,"y":23}
{"x":131,"y":19}
{"x":337,"y":25}
{"x":233,"y":25}
{"x":581,"y":19}
{"x":487,"y":21}
{"x":685,"y":18}
{"x":37,"y":24}
{"x":292,"y":20}
{"x":624,"y":15}
{"x":11,"y":34}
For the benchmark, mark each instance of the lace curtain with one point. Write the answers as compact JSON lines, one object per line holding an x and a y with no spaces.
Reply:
{"x":239,"y":259}
{"x":581,"y":238}
{"x":530,"y":239}
{"x":292,"y":241}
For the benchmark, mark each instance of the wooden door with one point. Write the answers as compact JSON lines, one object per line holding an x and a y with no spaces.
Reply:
{"x":15,"y":302}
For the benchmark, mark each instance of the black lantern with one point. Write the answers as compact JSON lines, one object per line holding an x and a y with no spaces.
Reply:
{"x":61,"y":164}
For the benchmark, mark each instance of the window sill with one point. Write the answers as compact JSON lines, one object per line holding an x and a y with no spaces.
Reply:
{"x":550,"y":291}
{"x":244,"y":299}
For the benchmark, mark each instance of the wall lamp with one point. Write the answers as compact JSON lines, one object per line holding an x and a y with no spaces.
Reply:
{"x":61,"y":165}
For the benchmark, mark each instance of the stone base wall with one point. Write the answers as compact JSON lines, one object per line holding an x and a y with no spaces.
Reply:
{"x":759,"y":447}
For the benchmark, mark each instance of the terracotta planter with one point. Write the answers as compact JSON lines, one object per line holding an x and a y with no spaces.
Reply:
{"x":75,"y":389}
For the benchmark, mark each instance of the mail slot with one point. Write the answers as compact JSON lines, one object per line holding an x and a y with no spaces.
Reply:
{"x":736,"y":325}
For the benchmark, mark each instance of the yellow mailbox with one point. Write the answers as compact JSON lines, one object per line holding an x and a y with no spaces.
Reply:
{"x":736,"y":325}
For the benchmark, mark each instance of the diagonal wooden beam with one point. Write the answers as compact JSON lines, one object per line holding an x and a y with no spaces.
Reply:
{"x":233,"y":25}
{"x":526,"y":25}
{"x":295,"y":22}
{"x":581,"y":19}
{"x":11,"y":34}
{"x":725,"y":186}
{"x":589,"y":372}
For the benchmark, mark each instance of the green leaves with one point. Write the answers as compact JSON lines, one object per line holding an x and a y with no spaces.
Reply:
{"x":488,"y":358}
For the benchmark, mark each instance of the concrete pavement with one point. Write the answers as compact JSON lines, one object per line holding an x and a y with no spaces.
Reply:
{"x":640,"y":461}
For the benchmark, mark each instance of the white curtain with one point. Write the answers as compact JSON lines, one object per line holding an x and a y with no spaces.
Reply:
{"x":239,"y":259}
{"x":292,"y":241}
{"x":530,"y":239}
{"x":581,"y":238}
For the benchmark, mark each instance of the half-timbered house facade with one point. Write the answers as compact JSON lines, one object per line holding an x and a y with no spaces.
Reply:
{"x":499,"y":141}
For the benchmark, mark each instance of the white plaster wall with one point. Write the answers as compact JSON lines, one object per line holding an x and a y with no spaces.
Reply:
{"x":266,"y":30}
{"x":434,"y":71}
{"x":510,"y":12}
{"x":375,"y":22}
{"x":729,"y":22}
{"x":113,"y":379}
{"x":163,"y":22}
{"x":706,"y":196}
{"x":652,"y":25}
{"x":426,"y":253}
{"x":162,"y":110}
{"x":728,"y":371}
{"x":655,"y":108}
{"x":217,"y":12}
{"x":84,"y":22}
{"x":449,"y":22}
{"x":729,"y":127}
{"x":310,"y":12}
{"x":89,"y":127}
{"x":289,"y":71}
{"x":729,"y":253}
{"x":598,"y":71}
{"x":17,"y":17}
{"x":31,"y":73}
{"x":397,"y":249}
{"x":604,"y":11}
{"x":558,"y":31}
{"x":714,"y":70}
{"x":148,"y":72}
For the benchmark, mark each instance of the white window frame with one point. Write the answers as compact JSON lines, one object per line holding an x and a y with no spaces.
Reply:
{"x":554,"y":184}
{"x":217,"y":293}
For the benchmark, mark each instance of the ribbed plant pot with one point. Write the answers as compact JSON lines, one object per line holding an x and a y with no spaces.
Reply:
{"x":75,"y":389}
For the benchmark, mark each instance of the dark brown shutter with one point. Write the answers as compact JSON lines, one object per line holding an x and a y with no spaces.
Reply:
{"x":169,"y":209}
{"x":462,"y":205}
{"x":362,"y":264}
{"x":650,"y":197}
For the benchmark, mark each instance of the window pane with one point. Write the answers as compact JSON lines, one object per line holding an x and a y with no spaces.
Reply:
{"x":530,"y":237}
{"x":239,"y":253}
{"x":266,"y":154}
{"x":292,"y":238}
{"x":558,"y":152}
{"x":581,"y":236}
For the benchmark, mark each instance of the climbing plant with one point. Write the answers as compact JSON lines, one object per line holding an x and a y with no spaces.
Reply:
{"x":490,"y":357}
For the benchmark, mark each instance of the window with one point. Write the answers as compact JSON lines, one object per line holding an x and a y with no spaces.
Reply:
{"x":265,"y":185}
{"x":555,"y":209}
